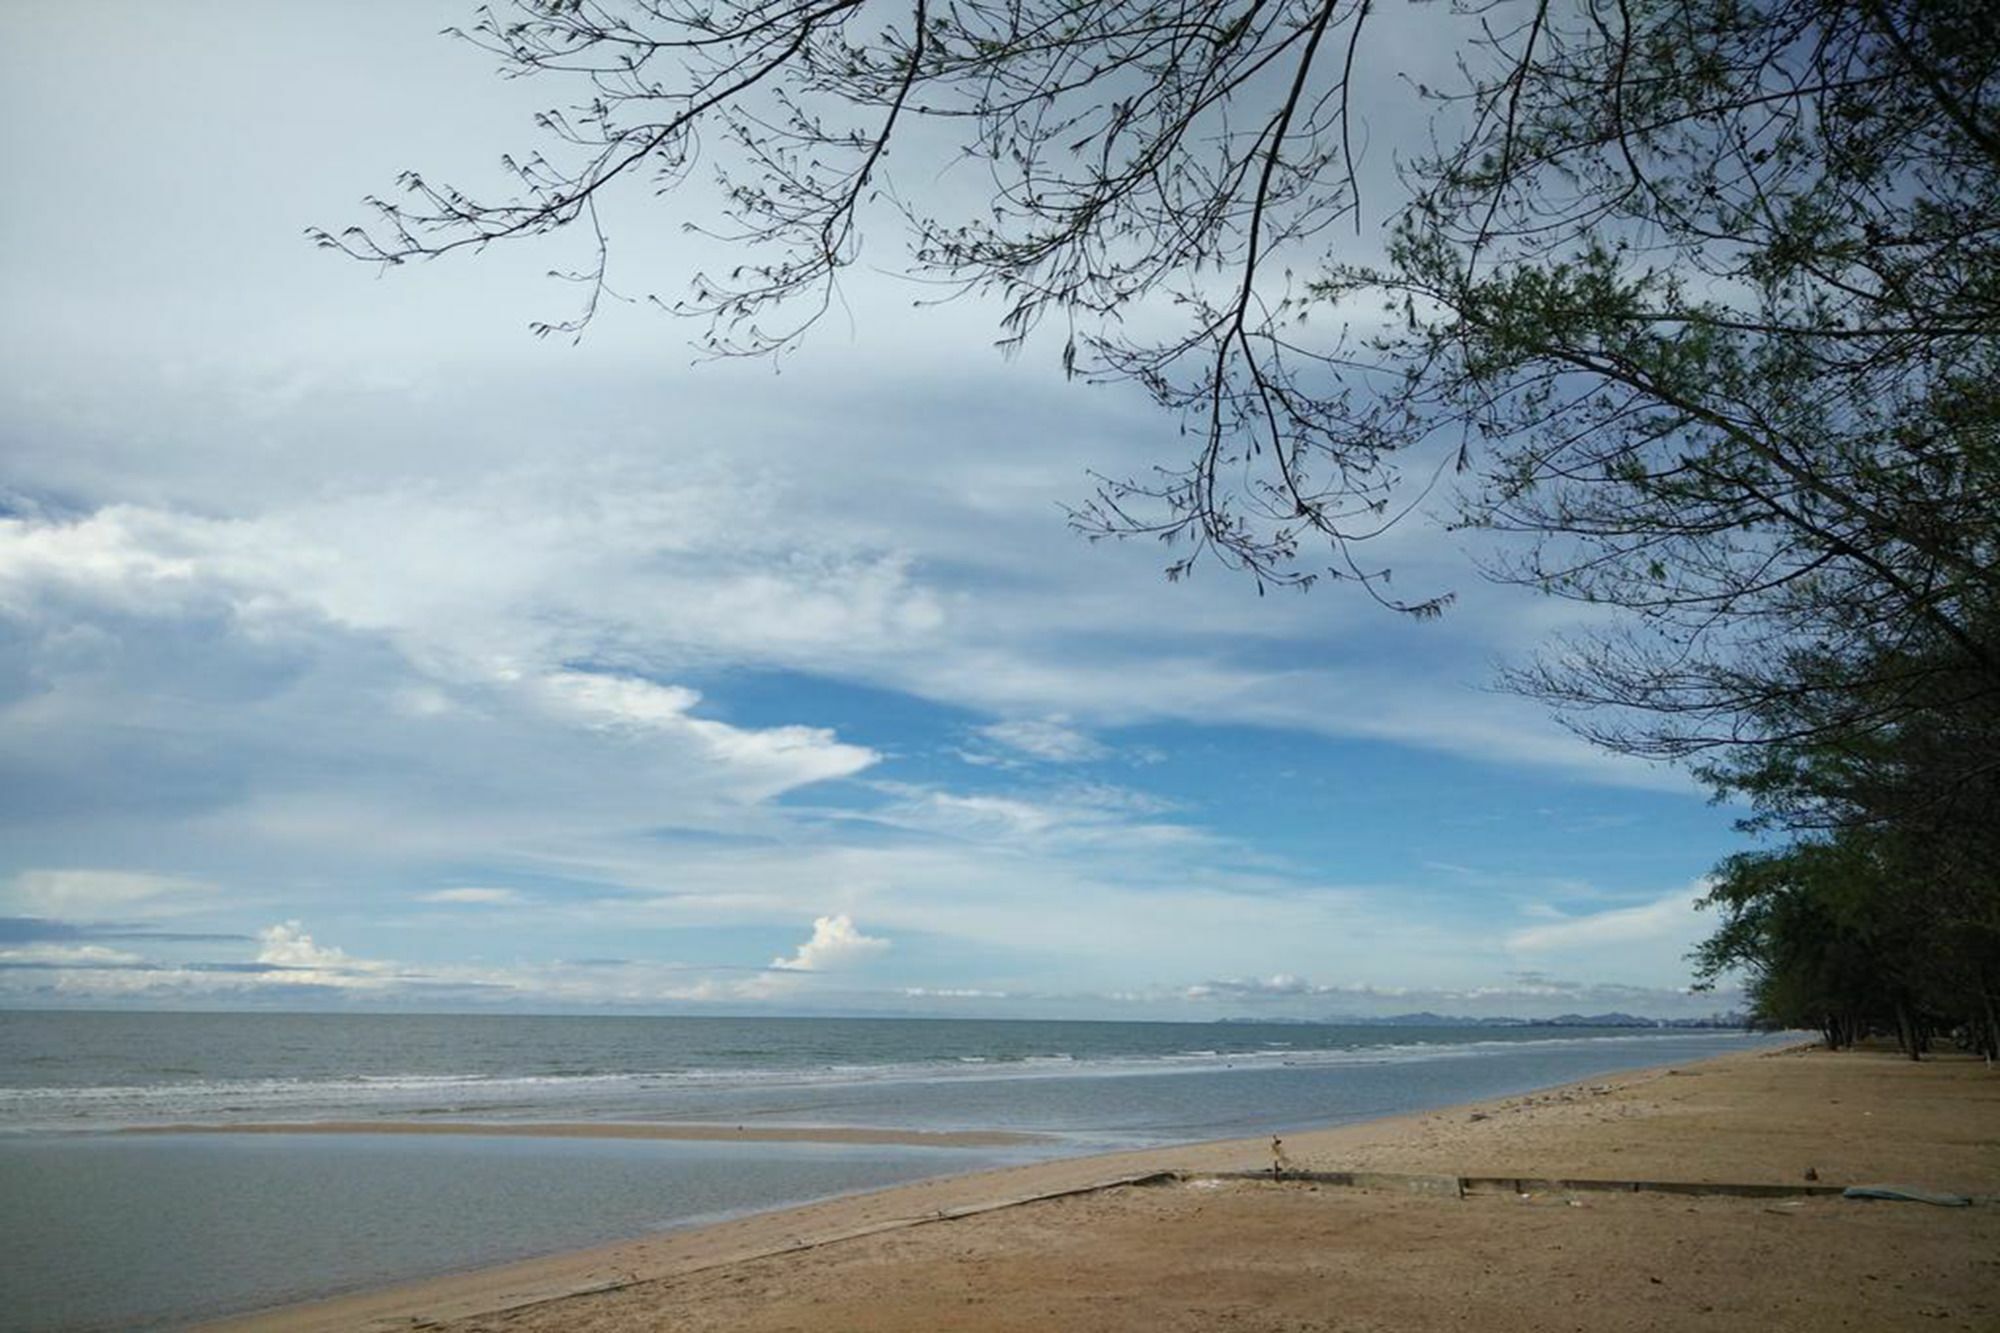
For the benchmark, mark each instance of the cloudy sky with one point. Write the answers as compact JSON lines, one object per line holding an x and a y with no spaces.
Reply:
{"x":357,"y":648}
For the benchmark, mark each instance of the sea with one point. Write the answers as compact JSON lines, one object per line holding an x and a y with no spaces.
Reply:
{"x":104,"y":1229}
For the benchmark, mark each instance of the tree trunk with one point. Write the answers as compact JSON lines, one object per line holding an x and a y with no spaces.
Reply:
{"x":1906,"y":1032}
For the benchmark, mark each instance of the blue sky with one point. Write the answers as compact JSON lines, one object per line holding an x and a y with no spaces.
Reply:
{"x":356,"y":648}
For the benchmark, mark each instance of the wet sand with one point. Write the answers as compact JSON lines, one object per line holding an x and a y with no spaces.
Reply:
{"x":1045,"y":1246}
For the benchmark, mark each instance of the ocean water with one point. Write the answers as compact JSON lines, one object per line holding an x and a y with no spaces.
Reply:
{"x":100,"y":1229}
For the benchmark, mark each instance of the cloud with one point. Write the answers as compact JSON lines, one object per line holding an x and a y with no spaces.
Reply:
{"x":91,"y":893}
{"x":769,"y":760}
{"x":835,"y":945}
{"x":607,"y":700}
{"x":293,"y":957}
{"x":526,"y":569}
{"x":479,"y":601}
{"x":1525,"y":994}
{"x":33,"y":929}
{"x":67,"y":955}
{"x":114,"y":554}
{"x":980,"y":813}
{"x":1283,"y":986}
{"x":482,"y":897}
{"x":1077,"y":817}
{"x":288,"y":945}
{"x":1051,"y":739}
{"x":1672,"y":918}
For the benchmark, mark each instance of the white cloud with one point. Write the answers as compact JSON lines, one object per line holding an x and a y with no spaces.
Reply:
{"x":68,"y":955}
{"x":478,"y":896}
{"x":1125,"y":915}
{"x":525,"y":569}
{"x":1670,"y":919}
{"x":521,"y":567}
{"x":768,"y":760}
{"x":300,"y":960}
{"x":114,"y":553}
{"x":486,"y":590}
{"x":1283,"y":986}
{"x":289,"y":960}
{"x":288,"y":945}
{"x":781,"y":758}
{"x":87,"y":894}
{"x":976,"y":814}
{"x":1051,"y":739}
{"x":1521,"y":995}
{"x":835,"y":945}
{"x":1090,"y":816}
{"x":622,"y":701}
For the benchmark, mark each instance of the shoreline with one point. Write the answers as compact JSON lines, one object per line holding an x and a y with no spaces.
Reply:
{"x":1507,"y":1136}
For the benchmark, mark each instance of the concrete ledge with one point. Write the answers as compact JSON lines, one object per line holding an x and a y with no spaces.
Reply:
{"x":1447,"y":1187}
{"x":1459,"y":1186}
{"x":1743,"y":1190}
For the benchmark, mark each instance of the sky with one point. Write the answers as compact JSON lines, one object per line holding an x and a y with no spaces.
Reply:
{"x":358,"y":649}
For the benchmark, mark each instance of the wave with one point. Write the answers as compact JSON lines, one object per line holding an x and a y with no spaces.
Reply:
{"x":667,"y":1093}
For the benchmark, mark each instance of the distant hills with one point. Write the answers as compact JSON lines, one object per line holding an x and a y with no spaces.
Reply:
{"x":1430,"y":1020}
{"x":1616,"y":1020}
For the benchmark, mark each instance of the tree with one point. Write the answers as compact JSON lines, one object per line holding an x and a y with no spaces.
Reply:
{"x":1858,"y":932}
{"x":1892,"y":882}
{"x":1785,"y":925}
{"x":1700,"y":296}
{"x":1718,"y":293}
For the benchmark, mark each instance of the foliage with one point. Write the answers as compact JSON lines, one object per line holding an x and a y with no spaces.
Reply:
{"x":1716,"y":285}
{"x":1863,"y":931}
{"x":1883,"y":913}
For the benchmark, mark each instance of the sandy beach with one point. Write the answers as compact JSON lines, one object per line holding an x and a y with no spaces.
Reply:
{"x":1062,"y":1245}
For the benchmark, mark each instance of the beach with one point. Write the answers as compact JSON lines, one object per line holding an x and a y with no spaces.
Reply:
{"x":1504,"y":1245}
{"x":157,"y":1170}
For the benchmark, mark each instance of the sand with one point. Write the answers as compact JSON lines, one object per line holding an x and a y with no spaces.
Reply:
{"x":992,"y":1252}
